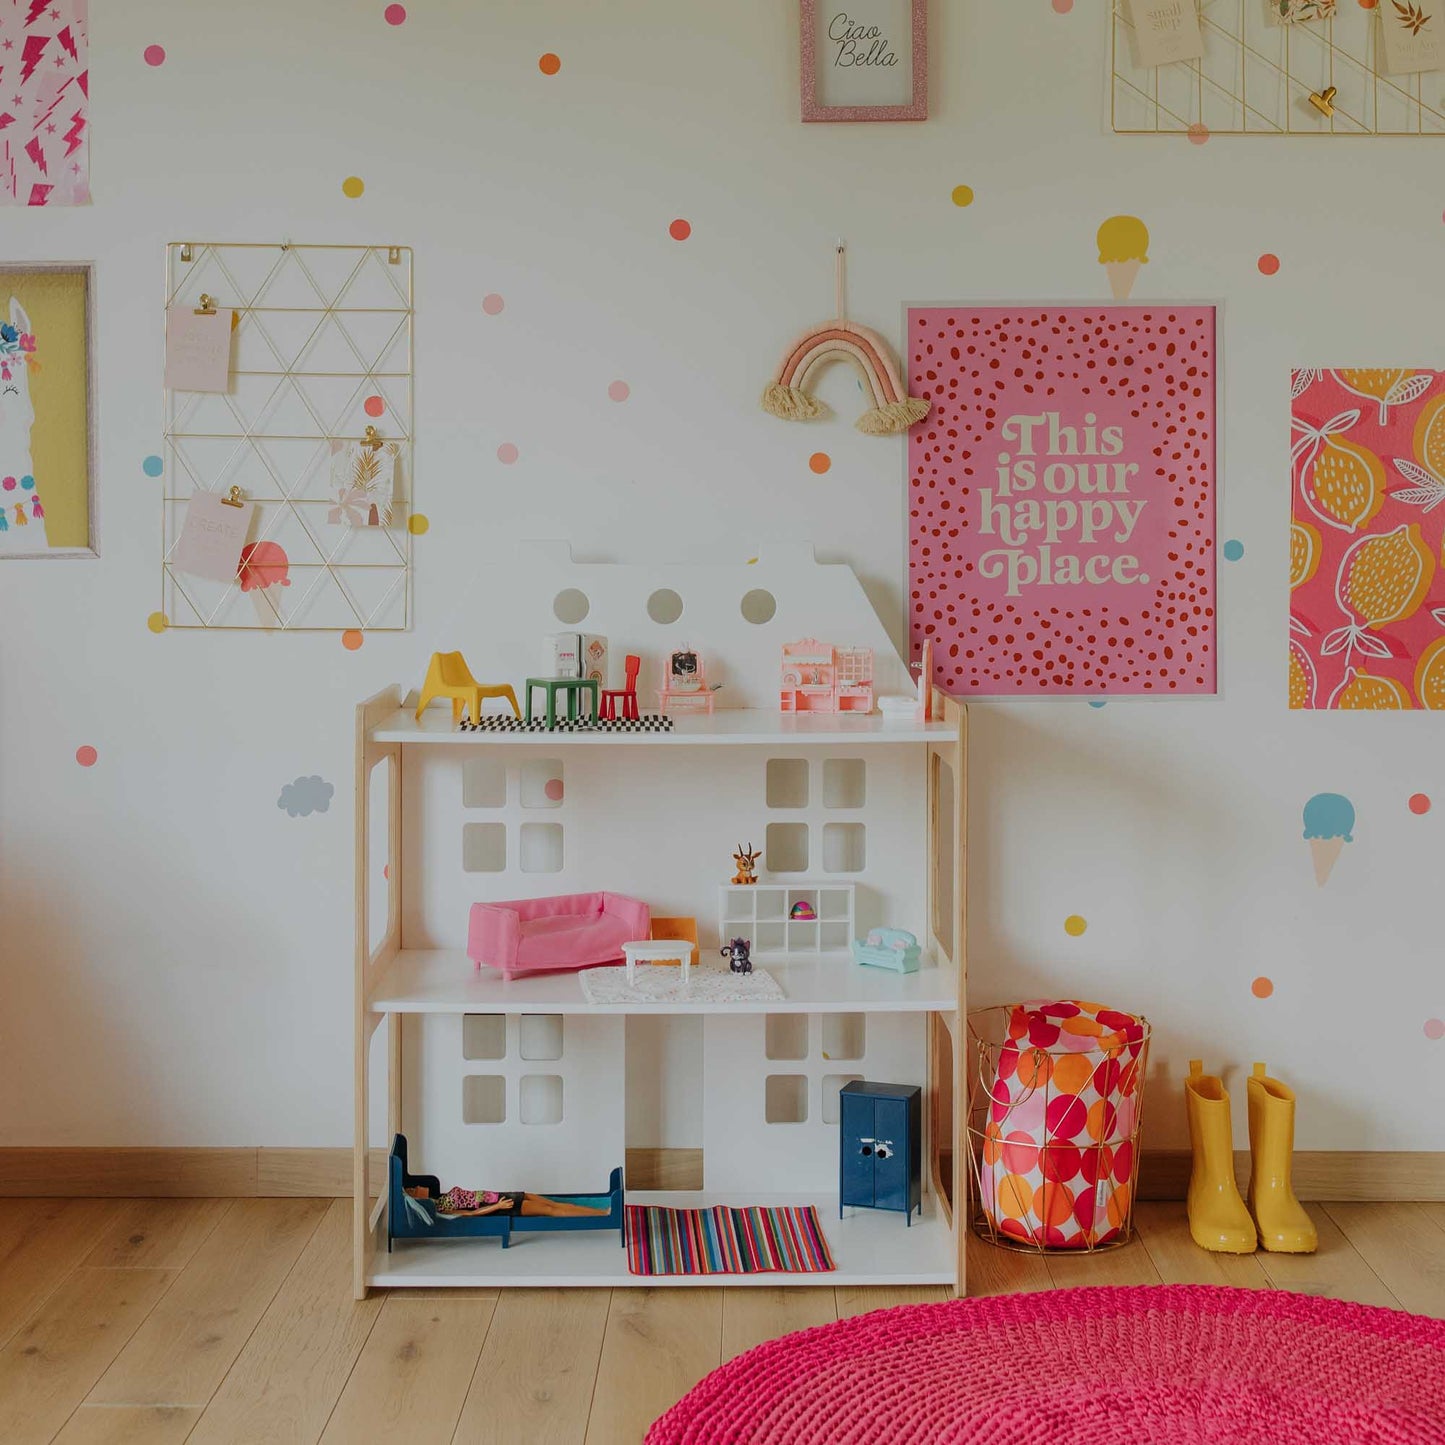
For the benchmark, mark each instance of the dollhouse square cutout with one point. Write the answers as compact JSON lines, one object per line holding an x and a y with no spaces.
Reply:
{"x":484,"y":847}
{"x":484,"y":1099}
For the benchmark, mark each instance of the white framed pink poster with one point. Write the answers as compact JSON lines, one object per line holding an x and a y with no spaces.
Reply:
{"x":1062,"y":499}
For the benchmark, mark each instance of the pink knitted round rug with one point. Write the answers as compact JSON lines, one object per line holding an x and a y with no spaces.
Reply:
{"x":1175,"y":1364}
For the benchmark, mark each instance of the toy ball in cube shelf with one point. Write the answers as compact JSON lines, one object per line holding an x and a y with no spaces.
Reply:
{"x":818,"y":677}
{"x":803,"y":909}
{"x":1056,"y":1159}
{"x":890,"y":948}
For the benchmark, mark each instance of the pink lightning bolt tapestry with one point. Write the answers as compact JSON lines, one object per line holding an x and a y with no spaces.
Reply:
{"x":44,"y":103}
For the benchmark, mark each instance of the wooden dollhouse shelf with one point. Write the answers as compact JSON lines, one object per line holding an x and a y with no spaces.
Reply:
{"x":425,"y":980}
{"x":736,"y":726}
{"x":869,"y":1248}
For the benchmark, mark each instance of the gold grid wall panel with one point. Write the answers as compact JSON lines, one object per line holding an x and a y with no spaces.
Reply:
{"x":322,"y":350}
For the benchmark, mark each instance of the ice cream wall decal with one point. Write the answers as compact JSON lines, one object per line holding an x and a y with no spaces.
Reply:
{"x":1329,"y":820}
{"x":264,"y":565}
{"x":1123,"y":248}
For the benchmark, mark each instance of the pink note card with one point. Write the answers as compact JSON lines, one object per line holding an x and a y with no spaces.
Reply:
{"x":1061,"y":499}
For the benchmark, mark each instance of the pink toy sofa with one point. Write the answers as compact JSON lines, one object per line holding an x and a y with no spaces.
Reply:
{"x":538,"y":935}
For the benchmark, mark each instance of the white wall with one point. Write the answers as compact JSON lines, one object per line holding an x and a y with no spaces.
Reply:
{"x":176,"y":950}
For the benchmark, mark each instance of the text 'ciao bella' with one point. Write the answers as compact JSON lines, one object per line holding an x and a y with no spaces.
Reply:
{"x":1059,"y":510}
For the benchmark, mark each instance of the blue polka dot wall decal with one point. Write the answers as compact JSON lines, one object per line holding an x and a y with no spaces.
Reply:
{"x":152,"y":466}
{"x":1233,"y":550}
{"x":1097,"y":701}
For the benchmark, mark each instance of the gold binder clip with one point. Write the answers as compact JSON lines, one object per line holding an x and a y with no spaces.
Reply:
{"x":207,"y":306}
{"x":1324,"y":100}
{"x":232,"y":498}
{"x":393,"y":255}
{"x":372,"y":440}
{"x":187,"y":254}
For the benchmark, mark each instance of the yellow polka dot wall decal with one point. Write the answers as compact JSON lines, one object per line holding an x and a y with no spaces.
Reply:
{"x":352,"y":186}
{"x":1074,"y":925}
{"x":418,"y":523}
{"x":158,"y":622}
{"x":963,"y":195}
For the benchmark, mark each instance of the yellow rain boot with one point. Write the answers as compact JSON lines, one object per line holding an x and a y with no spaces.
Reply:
{"x":1284,"y":1227}
{"x":1218,"y":1219}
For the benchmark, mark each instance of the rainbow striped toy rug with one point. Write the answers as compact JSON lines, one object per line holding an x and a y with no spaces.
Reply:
{"x":725,"y":1241}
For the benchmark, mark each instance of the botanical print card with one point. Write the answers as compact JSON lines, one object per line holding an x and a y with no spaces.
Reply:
{"x":213,"y":537}
{"x":365,"y":484}
{"x":45,"y":104}
{"x":1414,"y":34}
{"x":1367,"y":612}
{"x":1061,"y":499}
{"x":1294,"y":12}
{"x":1165,"y":30}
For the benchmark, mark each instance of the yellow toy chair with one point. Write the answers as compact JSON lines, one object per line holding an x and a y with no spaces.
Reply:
{"x":447,"y":675}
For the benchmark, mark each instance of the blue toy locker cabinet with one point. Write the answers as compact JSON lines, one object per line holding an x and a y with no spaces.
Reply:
{"x":879,"y":1140}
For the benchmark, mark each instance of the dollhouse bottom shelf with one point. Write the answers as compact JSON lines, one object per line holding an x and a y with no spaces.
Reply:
{"x":869,"y":1247}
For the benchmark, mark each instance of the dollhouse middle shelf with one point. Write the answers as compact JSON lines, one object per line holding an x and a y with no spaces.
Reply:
{"x":735,"y":726}
{"x":426,"y":980}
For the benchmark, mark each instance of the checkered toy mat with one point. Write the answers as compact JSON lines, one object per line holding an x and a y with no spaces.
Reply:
{"x":502,"y":723}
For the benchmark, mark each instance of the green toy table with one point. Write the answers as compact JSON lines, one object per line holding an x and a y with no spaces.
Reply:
{"x":572,"y":686}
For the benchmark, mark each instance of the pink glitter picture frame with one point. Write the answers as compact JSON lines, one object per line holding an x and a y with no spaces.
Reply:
{"x":814,"y":110}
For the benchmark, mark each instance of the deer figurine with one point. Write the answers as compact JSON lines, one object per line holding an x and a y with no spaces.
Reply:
{"x":747,"y":861}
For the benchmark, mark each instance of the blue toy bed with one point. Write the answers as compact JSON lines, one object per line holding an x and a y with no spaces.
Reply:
{"x":408,"y":1218}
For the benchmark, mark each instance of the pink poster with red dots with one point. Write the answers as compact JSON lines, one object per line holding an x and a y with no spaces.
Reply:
{"x":1061,"y":499}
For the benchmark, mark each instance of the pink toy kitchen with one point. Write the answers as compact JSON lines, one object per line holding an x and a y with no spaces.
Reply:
{"x":818,"y":677}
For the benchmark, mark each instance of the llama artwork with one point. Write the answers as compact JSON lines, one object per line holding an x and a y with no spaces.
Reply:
{"x":22,"y":517}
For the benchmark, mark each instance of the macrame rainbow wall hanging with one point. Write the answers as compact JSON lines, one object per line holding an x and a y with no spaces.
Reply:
{"x":787,"y":395}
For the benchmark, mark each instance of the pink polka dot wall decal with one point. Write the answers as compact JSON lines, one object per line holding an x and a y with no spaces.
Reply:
{"x":386,"y":871}
{"x":352,"y":187}
{"x":1062,"y":7}
{"x":155,"y":55}
{"x":1198,"y":133}
{"x":549,"y":64}
{"x":1268,"y":264}
{"x":1074,"y":926}
{"x":507,"y":453}
{"x":680,"y":230}
{"x":619,"y":390}
{"x":493,"y":304}
{"x":1262,"y":987}
{"x":1435,"y":1028}
{"x":394,"y":14}
{"x":86,"y":756}
{"x":373,"y":406}
{"x":1419,"y":803}
{"x":352,"y":638}
{"x":553,"y":790}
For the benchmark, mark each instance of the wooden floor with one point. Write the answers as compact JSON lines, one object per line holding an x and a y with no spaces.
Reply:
{"x":215,"y":1321}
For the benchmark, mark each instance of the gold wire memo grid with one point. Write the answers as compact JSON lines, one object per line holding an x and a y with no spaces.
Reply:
{"x":322,"y":355}
{"x":1257,"y":78}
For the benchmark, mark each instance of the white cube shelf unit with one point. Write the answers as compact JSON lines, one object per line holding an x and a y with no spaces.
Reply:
{"x":524,"y":1084}
{"x":763,"y":914}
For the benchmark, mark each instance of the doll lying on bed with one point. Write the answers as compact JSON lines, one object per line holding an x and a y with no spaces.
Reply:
{"x":459,"y":1203}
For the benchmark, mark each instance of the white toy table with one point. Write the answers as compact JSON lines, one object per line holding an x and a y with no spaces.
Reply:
{"x":657,"y":951}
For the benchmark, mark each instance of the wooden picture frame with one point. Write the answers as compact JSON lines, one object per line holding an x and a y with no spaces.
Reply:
{"x":47,"y":410}
{"x":849,"y":54}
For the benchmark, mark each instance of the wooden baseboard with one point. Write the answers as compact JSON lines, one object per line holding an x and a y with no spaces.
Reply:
{"x":1356,"y":1175}
{"x":177,"y":1173}
{"x":326,"y":1173}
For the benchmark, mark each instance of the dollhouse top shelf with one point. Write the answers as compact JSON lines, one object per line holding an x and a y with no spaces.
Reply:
{"x":726,"y":727}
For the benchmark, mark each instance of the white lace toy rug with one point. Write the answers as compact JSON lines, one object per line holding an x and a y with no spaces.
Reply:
{"x":663,"y":984}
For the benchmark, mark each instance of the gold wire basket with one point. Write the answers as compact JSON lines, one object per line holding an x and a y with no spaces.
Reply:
{"x":1054,"y":1113}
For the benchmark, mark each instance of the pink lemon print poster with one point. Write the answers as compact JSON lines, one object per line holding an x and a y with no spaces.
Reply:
{"x":1061,"y":499}
{"x":1366,"y":609}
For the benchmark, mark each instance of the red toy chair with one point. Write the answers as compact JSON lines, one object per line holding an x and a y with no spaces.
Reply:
{"x":628,"y":694}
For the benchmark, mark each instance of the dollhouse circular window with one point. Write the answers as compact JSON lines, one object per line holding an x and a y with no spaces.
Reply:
{"x":570,"y":606}
{"x":759,"y":606}
{"x":664,"y":606}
